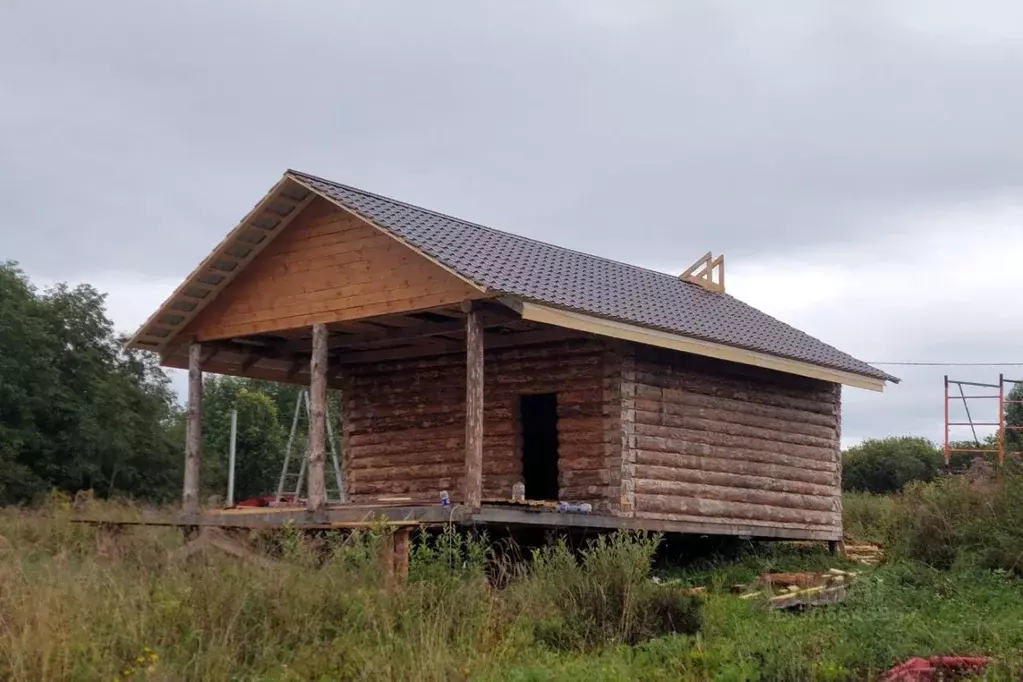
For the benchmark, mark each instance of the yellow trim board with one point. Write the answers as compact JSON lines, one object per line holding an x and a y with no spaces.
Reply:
{"x":654,"y":337}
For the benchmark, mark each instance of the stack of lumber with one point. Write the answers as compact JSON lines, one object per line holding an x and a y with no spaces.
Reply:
{"x":865,"y":553}
{"x":794,"y":590}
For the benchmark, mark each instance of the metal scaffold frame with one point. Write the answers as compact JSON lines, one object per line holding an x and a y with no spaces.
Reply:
{"x":1002,"y":426}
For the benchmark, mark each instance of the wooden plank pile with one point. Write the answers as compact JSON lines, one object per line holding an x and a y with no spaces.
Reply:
{"x":800,"y":590}
{"x":865,"y":553}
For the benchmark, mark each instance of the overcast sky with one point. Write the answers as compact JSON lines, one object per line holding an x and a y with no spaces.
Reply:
{"x":860,"y":164}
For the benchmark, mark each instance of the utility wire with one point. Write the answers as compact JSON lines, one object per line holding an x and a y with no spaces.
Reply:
{"x":952,"y":364}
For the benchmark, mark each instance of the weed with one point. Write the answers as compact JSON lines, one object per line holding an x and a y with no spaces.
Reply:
{"x":958,"y":520}
{"x":608,"y":597}
{"x":81,"y":603}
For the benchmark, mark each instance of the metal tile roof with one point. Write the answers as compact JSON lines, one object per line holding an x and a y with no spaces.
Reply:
{"x":562,"y":278}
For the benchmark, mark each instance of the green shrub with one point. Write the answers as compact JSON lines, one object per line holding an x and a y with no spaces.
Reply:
{"x":886,"y":465}
{"x":608,"y":597}
{"x":960,"y":520}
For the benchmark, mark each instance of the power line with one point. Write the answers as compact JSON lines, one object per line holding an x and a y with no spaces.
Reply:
{"x":951,"y":364}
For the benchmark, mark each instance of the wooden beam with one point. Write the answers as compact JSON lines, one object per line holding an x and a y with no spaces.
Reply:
{"x":531,"y":337}
{"x":418,"y":329}
{"x":193,"y":448}
{"x":250,"y":361}
{"x":296,"y":366}
{"x":473,"y":409}
{"x":702,"y":272}
{"x":449,"y":347}
{"x":317,"y":425}
{"x":208,"y":355}
{"x":222,"y":364}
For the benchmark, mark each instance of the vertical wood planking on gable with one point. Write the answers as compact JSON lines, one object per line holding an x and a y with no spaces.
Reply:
{"x":326,"y":267}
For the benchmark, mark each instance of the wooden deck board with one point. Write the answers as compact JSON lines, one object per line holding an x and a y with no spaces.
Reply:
{"x":352,"y":516}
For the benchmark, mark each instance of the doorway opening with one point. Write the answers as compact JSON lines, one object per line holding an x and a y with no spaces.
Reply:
{"x":538,"y":429}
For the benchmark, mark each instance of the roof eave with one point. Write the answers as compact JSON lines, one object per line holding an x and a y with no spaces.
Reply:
{"x":546,"y":314}
{"x":156,"y":335}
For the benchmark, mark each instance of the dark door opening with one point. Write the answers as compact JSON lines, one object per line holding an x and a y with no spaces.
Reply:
{"x":538,"y":426}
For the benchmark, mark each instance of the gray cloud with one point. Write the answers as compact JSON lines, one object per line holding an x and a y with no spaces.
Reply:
{"x":133,"y":134}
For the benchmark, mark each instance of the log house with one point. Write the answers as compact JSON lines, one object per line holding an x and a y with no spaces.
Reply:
{"x":471,"y":359}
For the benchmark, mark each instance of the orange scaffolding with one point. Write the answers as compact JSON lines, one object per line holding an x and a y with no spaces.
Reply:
{"x":1002,"y":426}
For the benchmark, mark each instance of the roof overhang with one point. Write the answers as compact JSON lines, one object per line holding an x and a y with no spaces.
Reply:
{"x":653,"y":337}
{"x":265,"y":221}
{"x":268,"y":218}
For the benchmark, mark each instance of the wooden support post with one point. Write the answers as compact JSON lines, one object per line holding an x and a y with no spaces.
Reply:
{"x":386,"y":555}
{"x":394,"y":554}
{"x":317,"y":424}
{"x":231,"y":456}
{"x":193,"y":448}
{"x":401,"y":552}
{"x":473,"y":492}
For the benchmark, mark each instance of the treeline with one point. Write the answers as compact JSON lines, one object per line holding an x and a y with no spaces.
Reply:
{"x":78,"y":411}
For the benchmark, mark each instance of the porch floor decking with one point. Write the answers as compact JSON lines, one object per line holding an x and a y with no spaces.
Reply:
{"x":369,"y":514}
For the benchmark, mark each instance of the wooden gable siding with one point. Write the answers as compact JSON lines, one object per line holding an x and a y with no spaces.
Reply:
{"x":715,"y":442}
{"x":404,"y":422}
{"x":328,"y":266}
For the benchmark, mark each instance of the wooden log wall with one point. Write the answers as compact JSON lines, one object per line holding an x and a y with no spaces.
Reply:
{"x":716,"y":442}
{"x":404,"y":421}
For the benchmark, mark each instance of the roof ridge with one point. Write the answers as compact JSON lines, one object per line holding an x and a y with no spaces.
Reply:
{"x":489,"y":228}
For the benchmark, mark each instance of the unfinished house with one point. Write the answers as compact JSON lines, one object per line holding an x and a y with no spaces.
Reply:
{"x":471,"y":360}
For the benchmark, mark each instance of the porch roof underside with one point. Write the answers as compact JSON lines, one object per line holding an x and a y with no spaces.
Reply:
{"x":285,"y":356}
{"x":502,"y":264}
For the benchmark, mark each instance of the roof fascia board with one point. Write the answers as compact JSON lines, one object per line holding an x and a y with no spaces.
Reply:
{"x":213,"y":256}
{"x":398,"y":238}
{"x":655,"y":337}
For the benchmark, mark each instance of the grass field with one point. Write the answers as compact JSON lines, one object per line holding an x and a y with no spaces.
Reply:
{"x":77,"y":604}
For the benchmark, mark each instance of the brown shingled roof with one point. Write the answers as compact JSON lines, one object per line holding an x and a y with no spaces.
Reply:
{"x":543,"y":273}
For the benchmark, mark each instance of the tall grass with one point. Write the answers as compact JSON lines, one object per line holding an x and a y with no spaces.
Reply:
{"x":606,"y":598}
{"x":77,"y":603}
{"x":960,"y":521}
{"x":864,"y":515}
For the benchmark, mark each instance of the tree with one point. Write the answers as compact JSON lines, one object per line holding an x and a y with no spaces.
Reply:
{"x":27,"y":373}
{"x":266,"y":410}
{"x":260,"y":441}
{"x":1014,"y":420}
{"x":77,"y":411}
{"x":886,"y":465}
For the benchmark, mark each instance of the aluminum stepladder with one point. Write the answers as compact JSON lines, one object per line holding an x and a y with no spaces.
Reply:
{"x":302,"y":403}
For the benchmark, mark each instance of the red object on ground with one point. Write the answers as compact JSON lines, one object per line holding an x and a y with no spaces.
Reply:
{"x":926,"y":669}
{"x":265,"y":501}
